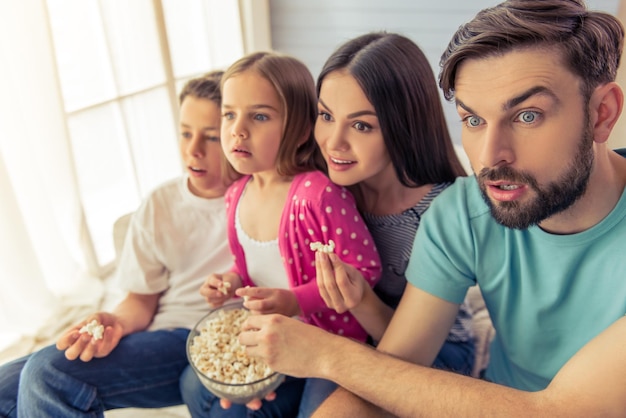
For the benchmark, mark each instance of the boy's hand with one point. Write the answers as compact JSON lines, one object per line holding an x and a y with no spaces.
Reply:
{"x":85,"y":346}
{"x":218,"y":288}
{"x":265,"y":300}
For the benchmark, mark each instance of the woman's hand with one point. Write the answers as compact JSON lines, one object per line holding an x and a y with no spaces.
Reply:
{"x":341,"y":285}
{"x":85,"y":346}
{"x":265,"y":300}
{"x":218,"y":288}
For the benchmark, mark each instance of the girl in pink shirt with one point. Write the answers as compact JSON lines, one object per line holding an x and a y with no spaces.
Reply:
{"x":284,"y":202}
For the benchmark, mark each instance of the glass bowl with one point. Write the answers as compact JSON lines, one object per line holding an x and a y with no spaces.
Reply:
{"x":206,"y":360}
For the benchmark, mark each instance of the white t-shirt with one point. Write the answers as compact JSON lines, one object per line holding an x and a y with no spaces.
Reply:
{"x":174,"y":241}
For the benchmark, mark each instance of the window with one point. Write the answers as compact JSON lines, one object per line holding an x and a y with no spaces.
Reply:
{"x":120,"y":65}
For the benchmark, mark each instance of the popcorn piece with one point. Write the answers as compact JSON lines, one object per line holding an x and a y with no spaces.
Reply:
{"x":224,"y":287}
{"x":94,"y":329}
{"x":318,"y":246}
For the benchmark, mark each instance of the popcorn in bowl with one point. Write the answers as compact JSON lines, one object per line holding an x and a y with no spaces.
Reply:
{"x":222,"y":364}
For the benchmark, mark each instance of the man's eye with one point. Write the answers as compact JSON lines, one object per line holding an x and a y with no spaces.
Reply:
{"x":473,"y":121}
{"x":528,"y":116}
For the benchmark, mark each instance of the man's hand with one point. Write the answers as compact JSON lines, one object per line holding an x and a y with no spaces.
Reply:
{"x":285,"y":344}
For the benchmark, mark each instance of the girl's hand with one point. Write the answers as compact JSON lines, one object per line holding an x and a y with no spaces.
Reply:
{"x":218,"y":288}
{"x":265,"y":300}
{"x":86,"y":347}
{"x":254,"y":404}
{"x":341,"y":285}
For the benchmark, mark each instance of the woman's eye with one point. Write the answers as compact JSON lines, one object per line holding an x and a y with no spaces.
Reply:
{"x":212,"y":138}
{"x":325,"y":116}
{"x":528,"y":116}
{"x":228,"y":115}
{"x":260,"y":117}
{"x":362,"y":127}
{"x":186,"y":135}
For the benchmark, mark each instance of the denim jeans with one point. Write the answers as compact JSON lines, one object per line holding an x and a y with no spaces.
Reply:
{"x":315,"y":392}
{"x":203,"y":404}
{"x":457,"y":357}
{"x":143,"y":371}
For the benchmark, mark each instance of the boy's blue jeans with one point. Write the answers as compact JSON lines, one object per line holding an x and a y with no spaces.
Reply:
{"x":143,"y":371}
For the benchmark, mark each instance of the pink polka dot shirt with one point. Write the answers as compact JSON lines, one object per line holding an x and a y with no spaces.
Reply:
{"x":316,"y":210}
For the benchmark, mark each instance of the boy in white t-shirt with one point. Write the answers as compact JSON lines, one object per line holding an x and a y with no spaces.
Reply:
{"x":175,"y":239}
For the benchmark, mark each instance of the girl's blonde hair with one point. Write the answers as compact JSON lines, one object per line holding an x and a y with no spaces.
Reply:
{"x":293,"y":82}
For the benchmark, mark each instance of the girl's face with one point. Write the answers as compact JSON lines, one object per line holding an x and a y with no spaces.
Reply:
{"x":252,"y":123}
{"x":348,"y":133}
{"x":200,"y":146}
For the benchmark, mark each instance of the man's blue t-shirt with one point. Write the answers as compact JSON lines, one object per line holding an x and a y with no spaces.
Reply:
{"x":547,"y":294}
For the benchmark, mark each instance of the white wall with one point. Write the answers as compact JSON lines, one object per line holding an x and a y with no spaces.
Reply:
{"x":311,"y":29}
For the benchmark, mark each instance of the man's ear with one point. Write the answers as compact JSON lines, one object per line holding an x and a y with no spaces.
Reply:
{"x":605,"y":107}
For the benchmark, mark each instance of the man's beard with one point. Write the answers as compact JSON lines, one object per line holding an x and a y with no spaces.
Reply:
{"x":551,"y":199}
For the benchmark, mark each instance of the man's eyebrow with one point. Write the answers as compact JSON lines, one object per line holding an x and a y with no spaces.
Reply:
{"x":463,"y":106}
{"x":511,"y":103}
{"x":354,"y":114}
{"x":534,"y":91}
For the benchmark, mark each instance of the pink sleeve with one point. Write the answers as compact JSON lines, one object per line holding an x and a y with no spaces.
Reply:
{"x":333,"y":216}
{"x":309,"y":298}
{"x":353,"y":242}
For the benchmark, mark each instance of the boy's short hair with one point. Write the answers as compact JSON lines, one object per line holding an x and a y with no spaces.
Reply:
{"x":204,"y":87}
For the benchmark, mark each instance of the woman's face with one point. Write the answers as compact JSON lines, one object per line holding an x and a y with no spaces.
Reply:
{"x":348,"y":132}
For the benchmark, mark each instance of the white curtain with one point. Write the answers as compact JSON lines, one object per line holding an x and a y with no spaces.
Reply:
{"x":42,"y":257}
{"x":88,"y":126}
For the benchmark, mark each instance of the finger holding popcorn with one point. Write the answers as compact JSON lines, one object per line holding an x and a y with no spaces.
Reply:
{"x":326,"y":282}
{"x":218,"y":288}
{"x":350,"y":284}
{"x":96,"y":336}
{"x":265,"y":300}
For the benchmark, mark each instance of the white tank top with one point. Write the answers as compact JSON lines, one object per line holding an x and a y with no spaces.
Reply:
{"x":263,"y":259}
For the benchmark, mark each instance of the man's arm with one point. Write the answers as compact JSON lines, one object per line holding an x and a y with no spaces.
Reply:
{"x":590,"y":384}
